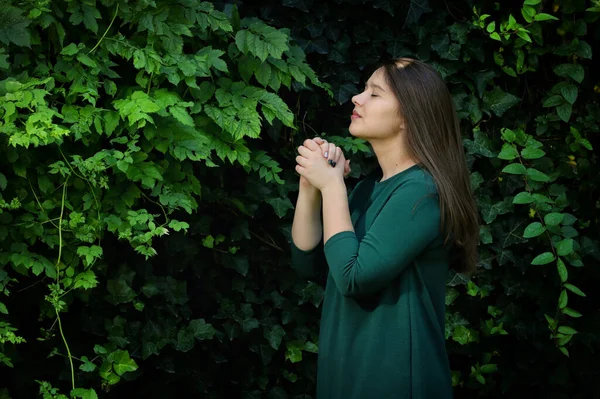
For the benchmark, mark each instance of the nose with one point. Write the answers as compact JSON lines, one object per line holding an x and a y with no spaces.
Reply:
{"x":356,"y":99}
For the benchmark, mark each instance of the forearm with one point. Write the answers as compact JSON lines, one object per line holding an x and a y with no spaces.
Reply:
{"x":307,"y":228}
{"x":336,"y":212}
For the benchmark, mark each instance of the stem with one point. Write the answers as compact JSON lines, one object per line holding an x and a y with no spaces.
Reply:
{"x":106,"y":31}
{"x":60,"y":243}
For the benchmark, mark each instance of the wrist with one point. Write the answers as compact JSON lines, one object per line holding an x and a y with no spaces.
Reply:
{"x":334,"y":187}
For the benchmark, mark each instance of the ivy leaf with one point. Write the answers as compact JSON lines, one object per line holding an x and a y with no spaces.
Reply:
{"x":280,"y":205}
{"x":345,"y":92}
{"x":122,"y":362}
{"x":543,"y":259}
{"x":201,"y":330}
{"x":573,"y":71}
{"x":416,"y":9}
{"x":3,"y":308}
{"x":564,"y":247}
{"x":87,"y":366}
{"x":534,"y":230}
{"x":480,"y":145}
{"x":274,"y":336}
{"x":498,"y":101}
{"x":562,"y":270}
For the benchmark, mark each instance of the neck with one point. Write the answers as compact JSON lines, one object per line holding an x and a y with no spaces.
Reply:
{"x":392,"y":156}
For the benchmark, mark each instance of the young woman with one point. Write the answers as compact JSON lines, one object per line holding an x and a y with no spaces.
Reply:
{"x":387,"y":248}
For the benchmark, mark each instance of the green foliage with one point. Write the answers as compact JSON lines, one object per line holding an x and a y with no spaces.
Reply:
{"x":147,"y":189}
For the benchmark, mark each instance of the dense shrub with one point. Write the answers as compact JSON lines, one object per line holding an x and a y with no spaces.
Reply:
{"x":147,"y":189}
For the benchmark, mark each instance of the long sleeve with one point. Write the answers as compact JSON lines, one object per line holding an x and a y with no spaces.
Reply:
{"x":406,"y":225}
{"x":308,"y":264}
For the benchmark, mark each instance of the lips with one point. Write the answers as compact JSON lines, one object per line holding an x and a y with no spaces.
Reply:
{"x":355,"y":114}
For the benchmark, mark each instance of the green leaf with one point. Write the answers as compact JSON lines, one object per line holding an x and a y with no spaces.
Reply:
{"x":70,"y":50}
{"x":567,"y":330}
{"x":574,"y":289}
{"x":545,"y":258}
{"x":536,"y":175}
{"x":562,"y":270}
{"x":532,"y":2}
{"x":563,"y":299}
{"x":181,"y":115}
{"x":569,"y":93}
{"x":3,"y":308}
{"x":553,"y":219}
{"x":573,"y":71}
{"x":564,"y":111}
{"x":201,"y":330}
{"x":564,"y":350}
{"x":509,"y":152}
{"x":3,"y":182}
{"x":570,"y":312}
{"x":82,"y":393}
{"x":544,"y":17}
{"x":515,"y":169}
{"x":14,"y":27}
{"x":274,"y":336}
{"x":280,"y":205}
{"x":553,"y":101}
{"x":532,"y":153}
{"x":122,"y":362}
{"x":564,"y":247}
{"x":498,"y":101}
{"x":533,"y":230}
{"x":523,"y":198}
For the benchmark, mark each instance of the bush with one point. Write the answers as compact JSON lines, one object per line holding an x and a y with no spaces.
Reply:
{"x":147,"y":189}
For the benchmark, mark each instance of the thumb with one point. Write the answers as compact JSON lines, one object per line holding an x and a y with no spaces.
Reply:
{"x":347,"y":168}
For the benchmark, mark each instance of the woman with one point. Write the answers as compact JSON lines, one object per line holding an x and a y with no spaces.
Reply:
{"x":389,"y":245}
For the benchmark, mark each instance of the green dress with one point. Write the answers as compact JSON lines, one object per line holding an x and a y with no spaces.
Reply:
{"x":382,"y":323}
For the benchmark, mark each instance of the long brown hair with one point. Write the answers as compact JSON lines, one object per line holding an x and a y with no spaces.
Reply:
{"x":434,"y":139}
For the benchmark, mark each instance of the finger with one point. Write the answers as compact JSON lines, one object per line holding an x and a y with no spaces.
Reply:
{"x":311,"y":145}
{"x":325,"y":149}
{"x":300,"y":160}
{"x":331,"y":152}
{"x":319,"y":140}
{"x":347,"y":169}
{"x":305,"y":152}
{"x":300,"y":170}
{"x":338,"y":155}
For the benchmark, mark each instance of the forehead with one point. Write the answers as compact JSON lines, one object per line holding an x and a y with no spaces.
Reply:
{"x":378,"y":79}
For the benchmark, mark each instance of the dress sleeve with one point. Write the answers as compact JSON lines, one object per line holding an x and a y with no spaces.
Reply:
{"x":308,"y":264}
{"x":405,"y":226}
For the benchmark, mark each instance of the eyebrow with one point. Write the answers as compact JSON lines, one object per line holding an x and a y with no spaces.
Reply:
{"x":375,"y":86}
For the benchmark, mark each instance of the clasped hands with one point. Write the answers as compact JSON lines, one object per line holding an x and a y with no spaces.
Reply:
{"x":321,"y":163}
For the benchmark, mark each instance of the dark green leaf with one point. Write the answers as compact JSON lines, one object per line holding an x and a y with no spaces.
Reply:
{"x":569,"y":92}
{"x":498,"y":101}
{"x":574,"y":289}
{"x":532,"y":153}
{"x":573,"y":71}
{"x":564,"y":111}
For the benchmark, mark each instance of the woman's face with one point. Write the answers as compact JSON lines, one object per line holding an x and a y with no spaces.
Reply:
{"x":376,"y":110}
